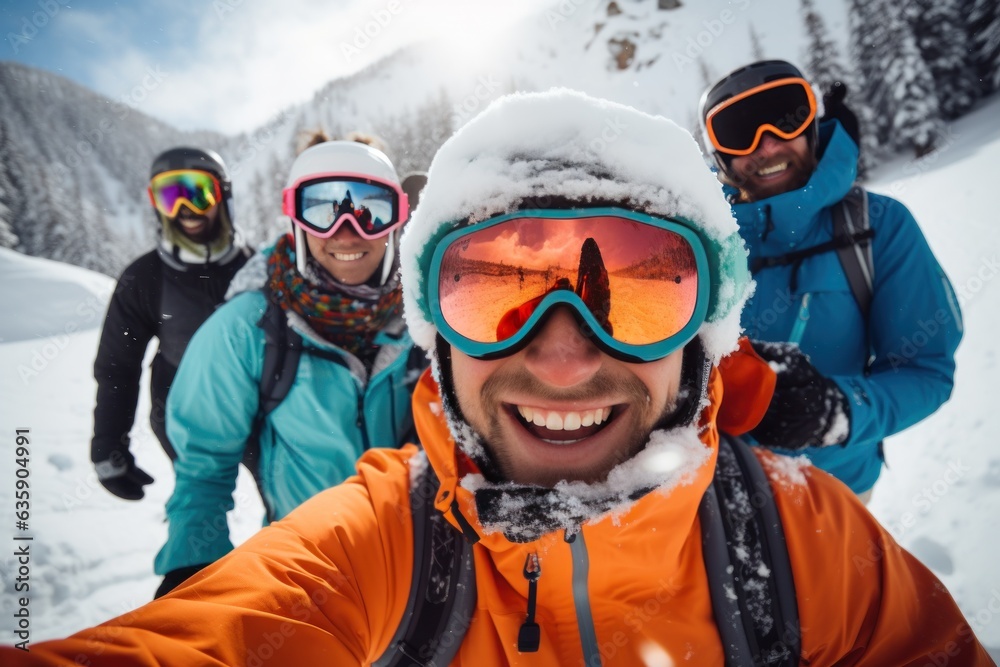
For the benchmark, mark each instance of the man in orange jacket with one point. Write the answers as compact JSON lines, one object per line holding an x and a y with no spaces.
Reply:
{"x":572,"y":452}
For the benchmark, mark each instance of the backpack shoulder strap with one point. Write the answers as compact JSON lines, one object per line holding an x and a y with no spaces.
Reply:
{"x":442,"y":596}
{"x":746,"y":559}
{"x":850,"y":219}
{"x":282,"y":349}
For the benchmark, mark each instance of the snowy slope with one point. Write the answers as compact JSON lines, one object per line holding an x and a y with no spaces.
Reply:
{"x":92,"y":553}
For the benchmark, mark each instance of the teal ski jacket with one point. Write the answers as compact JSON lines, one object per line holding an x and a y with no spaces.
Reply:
{"x":915,"y":323}
{"x":332,"y":413}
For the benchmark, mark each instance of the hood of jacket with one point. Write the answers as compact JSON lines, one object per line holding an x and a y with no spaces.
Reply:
{"x":785,"y":222}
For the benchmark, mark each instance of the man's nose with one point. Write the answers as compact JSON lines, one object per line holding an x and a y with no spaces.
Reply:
{"x":561,"y":354}
{"x":768,"y":144}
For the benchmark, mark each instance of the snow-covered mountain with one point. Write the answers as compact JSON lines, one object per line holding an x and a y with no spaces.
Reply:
{"x":73,"y":164}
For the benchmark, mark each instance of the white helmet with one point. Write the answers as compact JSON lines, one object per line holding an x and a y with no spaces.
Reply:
{"x":346,"y":158}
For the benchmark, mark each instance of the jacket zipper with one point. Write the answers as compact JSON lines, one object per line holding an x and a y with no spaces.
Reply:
{"x":581,"y":598}
{"x":362,"y":426}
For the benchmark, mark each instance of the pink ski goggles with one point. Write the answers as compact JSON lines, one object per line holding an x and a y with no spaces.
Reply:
{"x":320,"y":204}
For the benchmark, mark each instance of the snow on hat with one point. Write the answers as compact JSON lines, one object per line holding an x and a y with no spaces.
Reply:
{"x":527,"y":147}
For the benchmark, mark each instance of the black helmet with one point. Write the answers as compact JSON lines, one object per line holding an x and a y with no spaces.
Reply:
{"x":184,"y":157}
{"x":743,"y":79}
{"x":176,"y":247}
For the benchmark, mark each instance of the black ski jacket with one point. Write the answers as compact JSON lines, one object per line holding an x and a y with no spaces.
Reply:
{"x":151,"y":299}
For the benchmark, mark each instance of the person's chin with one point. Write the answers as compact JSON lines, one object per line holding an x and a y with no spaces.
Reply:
{"x":762,"y":187}
{"x":530,"y":454}
{"x":197,"y":230}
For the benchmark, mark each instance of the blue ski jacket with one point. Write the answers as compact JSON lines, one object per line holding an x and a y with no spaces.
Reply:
{"x":913,"y":329}
{"x":332,"y":413}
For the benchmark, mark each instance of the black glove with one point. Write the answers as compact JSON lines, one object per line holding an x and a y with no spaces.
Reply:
{"x":834,"y":107}
{"x":807,"y":409}
{"x":121,"y":476}
{"x":175,"y":578}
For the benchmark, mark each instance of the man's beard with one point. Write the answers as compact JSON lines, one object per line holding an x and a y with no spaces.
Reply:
{"x":642,"y":418}
{"x":751,"y":189}
{"x":204,"y":235}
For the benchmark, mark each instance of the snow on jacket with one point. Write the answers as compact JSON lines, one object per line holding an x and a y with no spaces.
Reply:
{"x":914,"y":327}
{"x":310,"y":442}
{"x":150,"y":299}
{"x":328,"y":585}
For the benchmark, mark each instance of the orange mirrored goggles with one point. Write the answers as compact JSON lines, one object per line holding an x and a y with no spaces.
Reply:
{"x":785,"y":107}
{"x":639,"y":284}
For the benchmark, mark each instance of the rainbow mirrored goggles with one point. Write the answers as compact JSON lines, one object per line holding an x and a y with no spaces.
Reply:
{"x":198,"y":190}
{"x":785,"y":107}
{"x":639,"y":285}
{"x":320,"y":204}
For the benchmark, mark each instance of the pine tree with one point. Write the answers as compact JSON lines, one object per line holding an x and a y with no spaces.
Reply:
{"x":895,"y":80}
{"x":940,"y":38}
{"x":984,"y":34}
{"x":8,"y":239}
{"x":822,"y":62}
{"x":11,"y":191}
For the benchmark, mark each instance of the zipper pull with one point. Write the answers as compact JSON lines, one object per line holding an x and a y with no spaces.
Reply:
{"x":530,"y":635}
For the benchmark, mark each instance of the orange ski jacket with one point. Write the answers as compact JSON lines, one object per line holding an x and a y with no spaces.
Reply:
{"x":328,"y":585}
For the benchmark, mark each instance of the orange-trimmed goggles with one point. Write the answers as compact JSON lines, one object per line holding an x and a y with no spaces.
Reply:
{"x":785,"y":107}
{"x":199,"y":190}
{"x":638,"y":284}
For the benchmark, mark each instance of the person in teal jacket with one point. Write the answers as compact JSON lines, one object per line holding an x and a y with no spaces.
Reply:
{"x":335,"y":280}
{"x":845,"y":381}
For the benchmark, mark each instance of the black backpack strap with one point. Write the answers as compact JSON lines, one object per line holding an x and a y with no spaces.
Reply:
{"x":746,"y":560}
{"x":850,"y":220}
{"x":442,"y":596}
{"x":282,"y":349}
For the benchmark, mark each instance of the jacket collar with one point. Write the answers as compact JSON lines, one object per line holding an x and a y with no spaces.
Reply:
{"x":458,"y":503}
{"x":783,"y":222}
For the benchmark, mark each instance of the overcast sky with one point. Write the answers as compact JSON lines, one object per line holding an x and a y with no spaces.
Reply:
{"x":229,"y":65}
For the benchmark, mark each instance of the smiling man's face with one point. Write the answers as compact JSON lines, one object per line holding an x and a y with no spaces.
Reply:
{"x":560,"y":408}
{"x":777,"y":166}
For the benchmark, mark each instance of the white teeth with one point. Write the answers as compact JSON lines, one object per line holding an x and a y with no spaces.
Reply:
{"x":564,"y":421}
{"x":773,"y":169}
{"x":348,"y":256}
{"x":572,"y":421}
